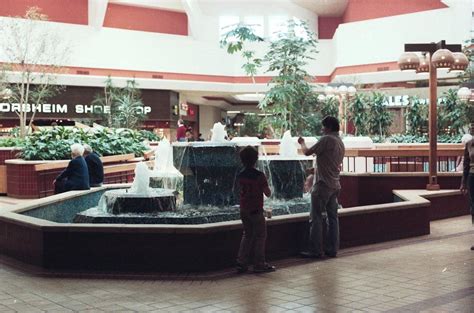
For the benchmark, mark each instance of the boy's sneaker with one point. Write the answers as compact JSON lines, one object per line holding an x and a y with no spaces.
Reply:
{"x":241,"y":268}
{"x":264,"y":269}
{"x":472,"y":248}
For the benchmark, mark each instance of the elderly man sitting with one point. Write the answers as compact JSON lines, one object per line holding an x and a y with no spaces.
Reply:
{"x":76,"y":175}
{"x":95,"y":166}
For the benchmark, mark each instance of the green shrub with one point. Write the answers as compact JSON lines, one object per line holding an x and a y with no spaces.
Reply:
{"x":423,"y":139}
{"x":11,"y":142}
{"x":149,"y":135}
{"x":54,"y":144}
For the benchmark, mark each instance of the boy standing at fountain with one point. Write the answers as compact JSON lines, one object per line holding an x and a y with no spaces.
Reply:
{"x":329,"y":151}
{"x":253,"y":185}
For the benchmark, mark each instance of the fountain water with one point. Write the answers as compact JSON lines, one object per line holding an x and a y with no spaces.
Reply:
{"x":286,"y":172}
{"x":218,"y":133}
{"x":209,"y":169}
{"x":137,"y":202}
{"x":164,"y":174}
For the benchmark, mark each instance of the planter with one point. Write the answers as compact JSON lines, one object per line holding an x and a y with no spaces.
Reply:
{"x":34,"y":179}
{"x":6,"y":154}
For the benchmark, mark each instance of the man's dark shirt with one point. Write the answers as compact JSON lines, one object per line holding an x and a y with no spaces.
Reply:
{"x":252,"y":183}
{"x":96,"y":169}
{"x":76,"y":175}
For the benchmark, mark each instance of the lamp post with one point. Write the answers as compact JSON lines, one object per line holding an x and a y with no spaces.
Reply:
{"x":341,"y":92}
{"x":436,"y":55}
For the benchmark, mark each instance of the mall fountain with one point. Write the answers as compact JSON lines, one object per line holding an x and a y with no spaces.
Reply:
{"x":183,"y":215}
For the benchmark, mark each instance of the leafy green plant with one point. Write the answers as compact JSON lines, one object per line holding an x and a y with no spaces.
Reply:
{"x":453,"y":114}
{"x":329,"y":107}
{"x":291,"y":98}
{"x":417,"y":116}
{"x":121,"y":107}
{"x":251,"y":125}
{"x":54,"y":144}
{"x":359,"y":114}
{"x":11,"y":142}
{"x":407,"y":138}
{"x":380,"y":118}
{"x":149,"y":135}
{"x":235,"y":40}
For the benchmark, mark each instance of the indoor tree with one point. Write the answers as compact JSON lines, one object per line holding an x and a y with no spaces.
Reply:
{"x":236,"y":39}
{"x":291,"y":99}
{"x":291,"y":103}
{"x":35,"y":53}
{"x":359,"y":114}
{"x":121,"y":107}
{"x":380,"y":118}
{"x":417,"y":117}
{"x":453,"y":114}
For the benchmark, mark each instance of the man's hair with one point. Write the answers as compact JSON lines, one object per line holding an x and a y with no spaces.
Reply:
{"x":331,"y":123}
{"x":87,"y":148}
{"x":77,"y":149}
{"x":249,"y":156}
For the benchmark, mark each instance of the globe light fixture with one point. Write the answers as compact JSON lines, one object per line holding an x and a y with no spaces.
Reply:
{"x":351,"y":91}
{"x":321,"y":97}
{"x":329,"y":90}
{"x":442,"y":58}
{"x":460,"y":62}
{"x":464,"y":93}
{"x":342,"y":90}
{"x":424,"y":66}
{"x":408,"y":61}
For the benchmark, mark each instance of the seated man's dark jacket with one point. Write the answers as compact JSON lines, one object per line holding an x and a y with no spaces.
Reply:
{"x":96,"y":169}
{"x":76,"y":175}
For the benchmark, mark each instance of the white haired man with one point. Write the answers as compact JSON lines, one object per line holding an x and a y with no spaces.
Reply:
{"x":76,"y":175}
{"x":95,"y":167}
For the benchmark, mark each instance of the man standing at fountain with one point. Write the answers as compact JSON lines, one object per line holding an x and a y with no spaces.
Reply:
{"x":329,"y":151}
{"x":253,"y":185}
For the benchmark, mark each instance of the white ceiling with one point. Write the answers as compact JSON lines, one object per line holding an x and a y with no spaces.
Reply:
{"x":324,"y":7}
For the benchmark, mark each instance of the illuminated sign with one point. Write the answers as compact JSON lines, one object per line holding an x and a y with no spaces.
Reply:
{"x":62,"y":108}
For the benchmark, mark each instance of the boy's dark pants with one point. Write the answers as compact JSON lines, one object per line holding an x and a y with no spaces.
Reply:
{"x":253,"y":239}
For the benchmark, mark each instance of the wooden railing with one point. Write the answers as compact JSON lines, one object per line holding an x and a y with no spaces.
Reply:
{"x":393,"y":157}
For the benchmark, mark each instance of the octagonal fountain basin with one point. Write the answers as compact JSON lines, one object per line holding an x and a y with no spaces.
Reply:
{"x":42,"y":233}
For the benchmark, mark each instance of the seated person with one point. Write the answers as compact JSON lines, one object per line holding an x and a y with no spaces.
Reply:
{"x":76,"y":175}
{"x":95,"y":167}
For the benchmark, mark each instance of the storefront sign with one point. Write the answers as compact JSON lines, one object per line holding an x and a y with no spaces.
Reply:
{"x":183,"y":109}
{"x":63,"y":108}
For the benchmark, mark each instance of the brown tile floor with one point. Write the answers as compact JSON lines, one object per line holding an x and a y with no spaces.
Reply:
{"x":433,"y":273}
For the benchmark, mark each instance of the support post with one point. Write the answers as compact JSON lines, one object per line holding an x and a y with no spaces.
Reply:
{"x":433,"y":129}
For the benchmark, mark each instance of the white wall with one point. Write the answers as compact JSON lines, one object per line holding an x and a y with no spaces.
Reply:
{"x":382,"y":40}
{"x":365,"y":42}
{"x":208,"y":115}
